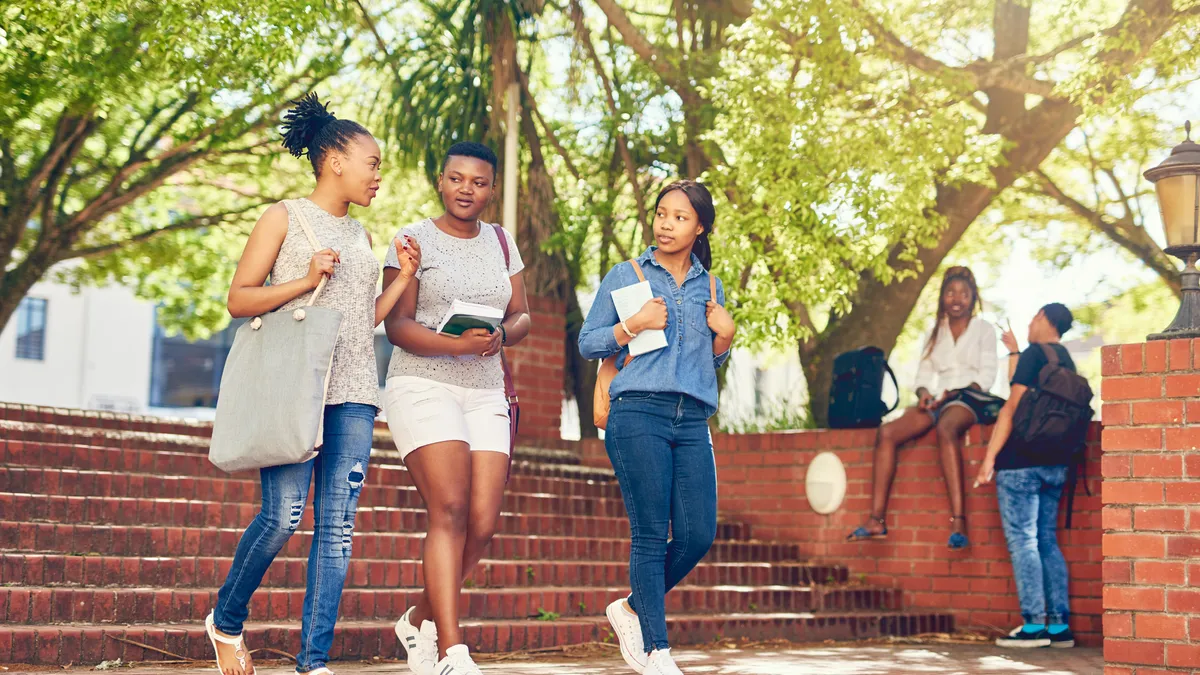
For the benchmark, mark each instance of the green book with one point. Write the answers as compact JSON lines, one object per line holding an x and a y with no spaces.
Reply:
{"x":463,"y":316}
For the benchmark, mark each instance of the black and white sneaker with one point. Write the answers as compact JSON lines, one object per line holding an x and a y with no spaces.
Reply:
{"x":1063,"y":640}
{"x":1019,"y":639}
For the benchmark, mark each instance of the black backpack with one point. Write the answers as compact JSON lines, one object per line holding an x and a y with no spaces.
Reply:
{"x":856,"y":397}
{"x":1052,"y":420}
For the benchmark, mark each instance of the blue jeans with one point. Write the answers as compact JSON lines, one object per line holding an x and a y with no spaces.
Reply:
{"x":341,"y":470}
{"x":662,"y":453}
{"x":1029,"y":510}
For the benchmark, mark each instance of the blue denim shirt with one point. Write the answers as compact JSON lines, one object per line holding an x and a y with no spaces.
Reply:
{"x":687,"y":365}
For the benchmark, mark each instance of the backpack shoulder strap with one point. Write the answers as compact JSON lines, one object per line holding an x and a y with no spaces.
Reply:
{"x":712,"y":287}
{"x":1051,"y":355}
{"x":503,"y":246}
{"x":637,"y":268}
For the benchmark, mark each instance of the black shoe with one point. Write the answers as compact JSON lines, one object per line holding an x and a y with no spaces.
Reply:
{"x":1063,"y":640}
{"x":1019,"y":639}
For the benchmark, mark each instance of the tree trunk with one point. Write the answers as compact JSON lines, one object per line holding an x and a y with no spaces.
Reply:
{"x":13,"y":289}
{"x":547,"y":273}
{"x":1010,"y":25}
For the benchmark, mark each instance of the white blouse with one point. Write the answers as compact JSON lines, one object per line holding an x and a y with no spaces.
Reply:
{"x":956,"y":364}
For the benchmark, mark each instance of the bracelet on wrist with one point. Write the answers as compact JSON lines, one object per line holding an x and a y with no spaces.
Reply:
{"x":503,"y":335}
{"x":1014,"y":353}
{"x":628,"y":332}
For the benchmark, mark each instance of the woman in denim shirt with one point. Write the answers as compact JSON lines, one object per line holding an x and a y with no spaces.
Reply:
{"x":657,"y":436}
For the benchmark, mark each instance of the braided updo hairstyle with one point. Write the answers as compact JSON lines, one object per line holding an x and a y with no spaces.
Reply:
{"x":309,"y":128}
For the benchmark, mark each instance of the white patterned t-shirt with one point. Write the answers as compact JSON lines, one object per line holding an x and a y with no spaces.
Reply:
{"x":471,"y":270}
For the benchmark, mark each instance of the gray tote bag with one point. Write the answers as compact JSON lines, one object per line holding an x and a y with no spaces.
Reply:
{"x":271,"y":405}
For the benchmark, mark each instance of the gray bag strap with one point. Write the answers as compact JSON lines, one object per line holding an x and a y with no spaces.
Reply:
{"x":312,"y":241}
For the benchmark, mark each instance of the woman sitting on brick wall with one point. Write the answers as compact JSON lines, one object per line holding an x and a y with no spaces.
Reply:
{"x":960,"y":354}
{"x":657,"y":435}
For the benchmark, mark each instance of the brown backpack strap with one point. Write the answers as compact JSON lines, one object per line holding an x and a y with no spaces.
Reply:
{"x":637,"y":268}
{"x":712,"y":287}
{"x":1051,"y":355}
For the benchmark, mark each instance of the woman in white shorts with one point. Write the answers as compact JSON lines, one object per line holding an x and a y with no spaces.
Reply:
{"x":445,"y":400}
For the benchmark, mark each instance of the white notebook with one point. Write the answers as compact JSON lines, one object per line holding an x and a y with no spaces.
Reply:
{"x":629,"y":301}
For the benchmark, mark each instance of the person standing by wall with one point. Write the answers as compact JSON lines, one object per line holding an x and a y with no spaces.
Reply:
{"x":1029,"y":484}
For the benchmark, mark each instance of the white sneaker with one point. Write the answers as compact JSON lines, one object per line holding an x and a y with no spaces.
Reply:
{"x":420,"y":646}
{"x":629,"y":634}
{"x":457,"y":662}
{"x":661,"y":663}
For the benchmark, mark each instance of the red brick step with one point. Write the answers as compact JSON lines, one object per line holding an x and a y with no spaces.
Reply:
{"x":528,"y":476}
{"x":25,"y":606}
{"x":59,"y":645}
{"x":53,"y":570}
{"x":72,"y":482}
{"x":189,"y":541}
{"x":187,"y":513}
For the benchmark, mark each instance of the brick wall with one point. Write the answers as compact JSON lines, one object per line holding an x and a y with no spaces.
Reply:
{"x":761,"y":482}
{"x":538,"y":363}
{"x":1151,"y":515}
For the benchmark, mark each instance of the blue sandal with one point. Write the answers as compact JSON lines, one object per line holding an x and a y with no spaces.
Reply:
{"x":958,"y":540}
{"x":863,"y":534}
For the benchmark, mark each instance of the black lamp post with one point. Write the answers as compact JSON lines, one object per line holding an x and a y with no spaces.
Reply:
{"x":1177,"y":185}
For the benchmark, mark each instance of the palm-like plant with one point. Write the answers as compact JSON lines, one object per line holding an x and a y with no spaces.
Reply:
{"x":446,"y":83}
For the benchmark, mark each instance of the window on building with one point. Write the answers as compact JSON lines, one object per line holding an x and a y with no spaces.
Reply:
{"x":187,"y":373}
{"x":31,"y":329}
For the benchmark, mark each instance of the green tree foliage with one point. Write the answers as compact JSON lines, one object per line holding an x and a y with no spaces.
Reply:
{"x":128,"y":126}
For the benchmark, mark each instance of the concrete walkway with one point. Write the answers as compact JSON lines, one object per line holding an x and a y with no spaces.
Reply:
{"x":867,"y":659}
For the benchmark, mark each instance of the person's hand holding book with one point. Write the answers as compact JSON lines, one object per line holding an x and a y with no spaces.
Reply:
{"x":652,"y":316}
{"x":476,"y":342}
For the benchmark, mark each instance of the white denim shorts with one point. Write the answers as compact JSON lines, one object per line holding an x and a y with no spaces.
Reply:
{"x":421,"y":412}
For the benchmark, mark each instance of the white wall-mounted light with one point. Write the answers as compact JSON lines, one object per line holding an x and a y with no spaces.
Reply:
{"x":825,"y":483}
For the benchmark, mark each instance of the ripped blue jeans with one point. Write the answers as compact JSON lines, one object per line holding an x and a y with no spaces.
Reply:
{"x":340,"y":471}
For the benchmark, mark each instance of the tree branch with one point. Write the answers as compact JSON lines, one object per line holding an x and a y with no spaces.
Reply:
{"x":185,"y":106}
{"x":981,"y":75}
{"x":1038,"y":59}
{"x":68,"y":129}
{"x":546,"y":130}
{"x":8,"y":173}
{"x":641,"y":46}
{"x":370,"y":25}
{"x":189,"y":223}
{"x":585,"y":37}
{"x":1123,"y":231}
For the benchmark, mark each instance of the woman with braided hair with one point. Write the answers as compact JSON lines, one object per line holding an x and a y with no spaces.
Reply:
{"x":958,"y":367}
{"x":345,"y":159}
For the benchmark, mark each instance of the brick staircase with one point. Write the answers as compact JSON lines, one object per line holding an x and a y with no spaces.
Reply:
{"x":118,"y":527}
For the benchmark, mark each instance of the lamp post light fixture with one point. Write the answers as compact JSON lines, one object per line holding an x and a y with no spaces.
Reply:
{"x":1177,"y":185}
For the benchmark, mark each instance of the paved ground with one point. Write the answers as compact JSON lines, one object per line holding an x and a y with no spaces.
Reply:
{"x":867,"y":659}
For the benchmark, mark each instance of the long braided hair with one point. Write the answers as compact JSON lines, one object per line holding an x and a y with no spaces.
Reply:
{"x":956,"y":273}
